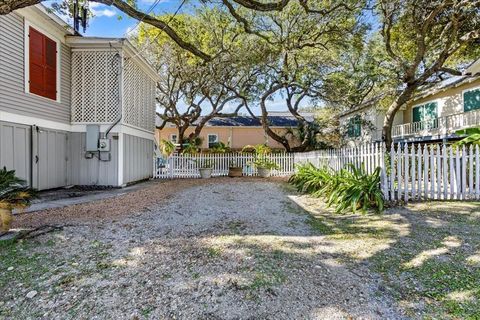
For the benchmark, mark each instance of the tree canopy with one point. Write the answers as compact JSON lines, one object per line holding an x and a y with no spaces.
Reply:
{"x":335,"y":53}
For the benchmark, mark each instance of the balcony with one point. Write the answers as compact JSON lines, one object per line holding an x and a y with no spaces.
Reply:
{"x":437,"y":128}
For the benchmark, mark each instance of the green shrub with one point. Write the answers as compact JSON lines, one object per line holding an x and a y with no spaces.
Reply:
{"x":310,"y":179}
{"x":14,"y":192}
{"x":348,"y":189}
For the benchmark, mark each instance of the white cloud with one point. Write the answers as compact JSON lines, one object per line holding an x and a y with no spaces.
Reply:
{"x":101,"y":10}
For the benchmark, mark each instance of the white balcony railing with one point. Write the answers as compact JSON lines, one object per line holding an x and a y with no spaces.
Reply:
{"x":438,"y":127}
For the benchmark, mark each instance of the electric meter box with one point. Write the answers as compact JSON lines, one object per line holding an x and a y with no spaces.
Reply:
{"x":104,"y":145}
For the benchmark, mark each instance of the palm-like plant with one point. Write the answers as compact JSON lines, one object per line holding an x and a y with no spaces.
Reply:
{"x":14,"y":194}
{"x":357,"y":190}
{"x":350,"y":188}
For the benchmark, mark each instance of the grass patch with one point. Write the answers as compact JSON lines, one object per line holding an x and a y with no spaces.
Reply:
{"x":28,"y":265}
{"x":428,"y":267}
{"x":213,"y":252}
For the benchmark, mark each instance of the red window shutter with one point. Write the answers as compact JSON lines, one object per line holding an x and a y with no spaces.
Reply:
{"x":50,"y":69}
{"x":37,"y":69}
{"x":43,"y":65}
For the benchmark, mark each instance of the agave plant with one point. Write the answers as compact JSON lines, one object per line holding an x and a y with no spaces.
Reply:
{"x":357,"y":190}
{"x":14,"y":194}
{"x":310,"y":179}
{"x":350,"y":188}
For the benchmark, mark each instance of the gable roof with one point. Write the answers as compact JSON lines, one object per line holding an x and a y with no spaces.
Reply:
{"x":446,"y":84}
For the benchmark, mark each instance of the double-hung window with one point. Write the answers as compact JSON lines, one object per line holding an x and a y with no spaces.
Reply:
{"x":42,"y":64}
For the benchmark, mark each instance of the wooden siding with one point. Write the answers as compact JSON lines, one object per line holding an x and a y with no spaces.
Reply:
{"x":13,"y":98}
{"x":138,"y":157}
{"x":92,"y":171}
{"x":15,"y":152}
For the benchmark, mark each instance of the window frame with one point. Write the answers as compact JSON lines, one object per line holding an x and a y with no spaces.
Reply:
{"x":176,"y":138}
{"x":28,"y":24}
{"x":463,"y":97}
{"x":208,"y":139}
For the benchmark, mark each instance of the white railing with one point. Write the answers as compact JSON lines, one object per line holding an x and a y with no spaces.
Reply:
{"x":439,"y":126}
{"x":186,"y":166}
{"x":409,"y":172}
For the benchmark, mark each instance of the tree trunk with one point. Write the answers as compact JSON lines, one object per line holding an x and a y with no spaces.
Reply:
{"x":264,"y":119}
{"x":7,"y":6}
{"x":181,"y":136}
{"x":392,"y":110}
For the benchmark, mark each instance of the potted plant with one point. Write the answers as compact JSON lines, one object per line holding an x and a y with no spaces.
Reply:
{"x":234,"y":169}
{"x":205,"y":168}
{"x":261,"y":161}
{"x":264,"y":166}
{"x":14,"y":194}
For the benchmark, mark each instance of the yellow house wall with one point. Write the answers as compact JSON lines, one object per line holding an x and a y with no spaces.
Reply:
{"x":449,"y":101}
{"x":239,"y":136}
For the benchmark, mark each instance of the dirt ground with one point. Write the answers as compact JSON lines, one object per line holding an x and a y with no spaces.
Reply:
{"x":217,"y":249}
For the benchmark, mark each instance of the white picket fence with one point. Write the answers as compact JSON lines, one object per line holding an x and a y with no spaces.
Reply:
{"x":186,"y":166}
{"x":409,"y":172}
{"x":436,"y":172}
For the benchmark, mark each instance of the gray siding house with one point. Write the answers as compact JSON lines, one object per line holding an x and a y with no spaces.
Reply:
{"x":73,"y":110}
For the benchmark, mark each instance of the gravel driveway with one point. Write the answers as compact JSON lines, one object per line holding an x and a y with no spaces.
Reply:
{"x":231,"y":249}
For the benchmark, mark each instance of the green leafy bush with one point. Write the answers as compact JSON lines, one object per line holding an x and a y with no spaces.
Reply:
{"x":266,"y":163}
{"x":310,"y":179}
{"x":349,"y":189}
{"x":14,"y":192}
{"x":167,"y":147}
{"x":220,"y":147}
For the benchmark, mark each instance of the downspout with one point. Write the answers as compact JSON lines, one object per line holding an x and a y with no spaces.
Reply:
{"x":117,"y":58}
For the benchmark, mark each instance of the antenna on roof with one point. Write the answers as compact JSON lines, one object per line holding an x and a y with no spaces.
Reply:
{"x":80,"y":14}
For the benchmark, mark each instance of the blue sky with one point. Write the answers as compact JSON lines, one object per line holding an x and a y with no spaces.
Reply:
{"x":110,"y":22}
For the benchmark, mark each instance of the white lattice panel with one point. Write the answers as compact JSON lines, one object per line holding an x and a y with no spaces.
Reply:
{"x":139,"y":97}
{"x":95,"y":86}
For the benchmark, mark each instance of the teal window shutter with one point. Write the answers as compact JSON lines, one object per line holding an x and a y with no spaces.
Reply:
{"x":417,"y":114}
{"x":358,"y":126}
{"x":354,"y":127}
{"x":471,"y":100}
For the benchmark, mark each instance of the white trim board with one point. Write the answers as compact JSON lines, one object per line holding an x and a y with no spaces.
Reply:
{"x":20,"y":119}
{"x":27,"y":120}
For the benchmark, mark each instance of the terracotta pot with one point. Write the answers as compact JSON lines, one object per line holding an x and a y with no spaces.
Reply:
{"x":205,"y":173}
{"x":235,"y":172}
{"x":5,"y":219}
{"x":263,"y":172}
